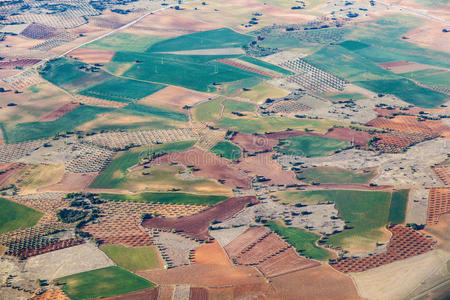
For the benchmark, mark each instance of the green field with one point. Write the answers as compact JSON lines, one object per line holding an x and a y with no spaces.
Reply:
{"x":133,"y":259}
{"x":208,"y":111}
{"x":39,"y":130}
{"x":335,"y":175}
{"x":197,"y":72}
{"x":227,"y":150}
{"x":102,"y":283}
{"x":15,"y":216}
{"x":431,"y":77}
{"x":302,"y":240}
{"x":166,"y":198}
{"x":125,"y":42}
{"x":347,"y":96}
{"x":309,"y":146}
{"x":233,"y":105}
{"x":116,"y":172}
{"x":407,"y":91}
{"x":146,"y":110}
{"x":235,"y":87}
{"x":353,"y":45}
{"x":397,"y":210}
{"x":272,"y":124}
{"x":122,"y":90}
{"x":212,"y":39}
{"x":265,"y":65}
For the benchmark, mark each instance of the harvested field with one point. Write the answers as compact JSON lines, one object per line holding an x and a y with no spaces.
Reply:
{"x":405,"y":242}
{"x":359,"y":138}
{"x":147,"y":294}
{"x":196,"y":226}
{"x":209,"y":165}
{"x":403,"y":66}
{"x":92,"y":56}
{"x":71,"y":182}
{"x":410,"y":124}
{"x":197,"y":293}
{"x":210,"y":254}
{"x":174,"y":97}
{"x":38,"y":32}
{"x":246,"y":68}
{"x":438,"y":204}
{"x":263,"y":165}
{"x":8,"y":171}
{"x":18,"y":63}
{"x":59,"y":112}
{"x":321,"y":282}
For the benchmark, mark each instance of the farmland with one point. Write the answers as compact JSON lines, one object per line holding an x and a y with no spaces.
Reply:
{"x":102,"y":283}
{"x":16,"y":216}
{"x":335,"y":175}
{"x":133,"y":259}
{"x":309,"y":146}
{"x":227,"y":150}
{"x":166,"y":198}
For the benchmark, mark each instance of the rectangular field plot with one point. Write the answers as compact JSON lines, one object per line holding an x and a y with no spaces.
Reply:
{"x":310,"y":146}
{"x":125,"y":42}
{"x":166,"y":198}
{"x":335,"y":175}
{"x":122,"y":90}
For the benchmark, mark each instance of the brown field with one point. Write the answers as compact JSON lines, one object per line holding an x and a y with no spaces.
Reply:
{"x":404,"y":66}
{"x":196,"y":226}
{"x":438,"y":204}
{"x":412,"y":111}
{"x":359,"y":138}
{"x":443,"y":173}
{"x":211,"y":254}
{"x":197,"y":293}
{"x":39,"y":31}
{"x":246,"y":68}
{"x":410,"y":124}
{"x":263,"y":165}
{"x":92,"y":56}
{"x":262,"y":142}
{"x":51,"y":295}
{"x":209,"y":165}
{"x":59,"y":112}
{"x":248,"y":237}
{"x":440,"y":232}
{"x":18,"y":63}
{"x":71,"y":182}
{"x":147,"y":294}
{"x":173,"y":97}
{"x":9,"y":170}
{"x":321,"y":282}
{"x":430,"y":35}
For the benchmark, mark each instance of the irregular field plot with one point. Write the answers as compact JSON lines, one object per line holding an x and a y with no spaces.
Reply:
{"x":310,"y":146}
{"x":227,"y":150}
{"x":335,"y":175}
{"x":146,"y":110}
{"x":15,"y":216}
{"x":166,"y":198}
{"x":125,"y":41}
{"x":102,"y":283}
{"x":133,"y":259}
{"x":302,"y":240}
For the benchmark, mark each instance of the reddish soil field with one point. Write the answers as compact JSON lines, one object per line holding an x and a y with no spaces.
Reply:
{"x":263,"y":165}
{"x":147,"y":294}
{"x":207,"y":164}
{"x":92,"y":56}
{"x":259,"y":247}
{"x":197,"y":293}
{"x":51,"y":295}
{"x":438,"y":204}
{"x":359,"y":138}
{"x":9,"y":170}
{"x":196,"y":226}
{"x":405,"y":242}
{"x":49,"y":248}
{"x":38,"y":32}
{"x":410,"y":124}
{"x":71,"y":182}
{"x":262,"y":142}
{"x":59,"y":112}
{"x":246,"y":68}
{"x":321,"y":282}
{"x":210,"y":254}
{"x":412,"y":111}
{"x":393,"y":64}
{"x":397,"y":141}
{"x":443,"y":173}
{"x":19,"y":63}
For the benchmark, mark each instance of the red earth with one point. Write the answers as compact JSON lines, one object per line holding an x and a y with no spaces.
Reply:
{"x":59,"y":112}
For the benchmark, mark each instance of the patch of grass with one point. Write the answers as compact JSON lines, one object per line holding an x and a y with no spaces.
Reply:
{"x":116,"y":172}
{"x":226,"y":149}
{"x":146,"y":110}
{"x":302,"y":240}
{"x":335,"y":175}
{"x":122,"y":90}
{"x":259,"y":93}
{"x":39,"y":130}
{"x":353,"y":45}
{"x":235,"y":87}
{"x":300,"y":197}
{"x":211,"y":39}
{"x":272,"y":124}
{"x":208,"y":111}
{"x":398,"y":206}
{"x":133,"y":259}
{"x":309,"y":146}
{"x":431,"y":77}
{"x":101,"y":283}
{"x":347,"y":96}
{"x":266,"y":65}
{"x":125,"y":42}
{"x":166,"y":198}
{"x":14,"y":216}
{"x":407,"y":91}
{"x":234,"y":105}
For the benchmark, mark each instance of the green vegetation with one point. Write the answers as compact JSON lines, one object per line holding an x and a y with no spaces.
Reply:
{"x":212,"y":39}
{"x":226,"y":149}
{"x":70,"y":215}
{"x":116,"y":172}
{"x":272,"y":124}
{"x":208,"y":111}
{"x":353,"y":45}
{"x":133,"y":259}
{"x":122,"y":90}
{"x":233,"y":105}
{"x":39,"y":130}
{"x":232,"y":88}
{"x":300,"y":197}
{"x":309,"y":146}
{"x":335,"y":175}
{"x":347,"y":96}
{"x":302,"y":240}
{"x":102,"y":283}
{"x":124,"y":41}
{"x":166,"y":198}
{"x":15,"y":216}
{"x":407,"y":91}
{"x":431,"y":77}
{"x":266,"y":65}
{"x":146,"y":110}
{"x":398,"y":206}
